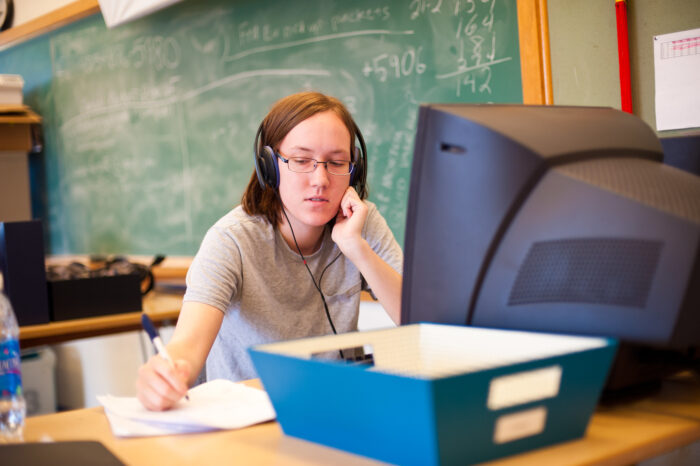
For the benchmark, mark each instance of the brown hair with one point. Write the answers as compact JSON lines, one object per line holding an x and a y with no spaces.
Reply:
{"x":284,"y":115}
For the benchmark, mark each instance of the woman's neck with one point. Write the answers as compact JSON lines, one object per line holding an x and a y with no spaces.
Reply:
{"x":309,"y":238}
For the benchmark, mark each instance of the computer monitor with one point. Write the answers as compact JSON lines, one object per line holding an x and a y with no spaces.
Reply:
{"x":556,"y":219}
{"x":683,"y":152}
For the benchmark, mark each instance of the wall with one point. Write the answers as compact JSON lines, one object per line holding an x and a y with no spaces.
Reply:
{"x":583,"y":41}
{"x":27,"y":10}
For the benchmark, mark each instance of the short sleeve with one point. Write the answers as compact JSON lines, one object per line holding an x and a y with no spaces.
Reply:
{"x":381,"y":239}
{"x":215,"y":274}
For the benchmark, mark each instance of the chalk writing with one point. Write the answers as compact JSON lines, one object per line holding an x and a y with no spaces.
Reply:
{"x":328,"y":37}
{"x":155,"y":52}
{"x":419,"y":7}
{"x":151,"y":124}
{"x":477,"y":45}
{"x":391,"y":65}
{"x":360,"y":15}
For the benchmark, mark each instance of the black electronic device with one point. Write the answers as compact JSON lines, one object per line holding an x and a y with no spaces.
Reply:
{"x":682,"y":152}
{"x":22,"y":263}
{"x":556,"y":219}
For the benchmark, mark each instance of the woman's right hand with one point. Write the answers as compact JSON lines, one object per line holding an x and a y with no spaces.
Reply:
{"x":160,"y":385}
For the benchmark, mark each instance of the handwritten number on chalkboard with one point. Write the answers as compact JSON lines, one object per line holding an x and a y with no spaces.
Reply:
{"x":471,"y":26}
{"x":157,"y":52}
{"x":491,"y":56}
{"x":384,"y":64}
{"x":488,"y":20}
{"x":470,"y":10}
{"x":470,"y":81}
{"x":415,"y":6}
{"x":419,"y":7}
{"x":476,"y":48}
{"x":485,"y":87}
{"x":420,"y":66}
{"x":376,"y":68}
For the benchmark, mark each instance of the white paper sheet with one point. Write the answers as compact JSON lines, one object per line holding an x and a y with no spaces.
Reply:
{"x":677,"y":78}
{"x":219,"y":404}
{"x":116,"y":12}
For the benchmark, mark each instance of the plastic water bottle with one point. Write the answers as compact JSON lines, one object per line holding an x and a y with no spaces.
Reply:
{"x":12,"y":405}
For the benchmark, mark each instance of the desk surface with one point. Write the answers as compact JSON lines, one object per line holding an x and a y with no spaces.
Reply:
{"x":624,"y":434}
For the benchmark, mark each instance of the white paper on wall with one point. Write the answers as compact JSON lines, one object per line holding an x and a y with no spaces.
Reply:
{"x":677,"y":75}
{"x":116,"y":12}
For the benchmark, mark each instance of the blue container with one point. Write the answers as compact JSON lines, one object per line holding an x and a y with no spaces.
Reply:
{"x":436,"y":394}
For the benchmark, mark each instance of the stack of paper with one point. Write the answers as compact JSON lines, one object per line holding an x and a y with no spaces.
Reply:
{"x":219,"y":404}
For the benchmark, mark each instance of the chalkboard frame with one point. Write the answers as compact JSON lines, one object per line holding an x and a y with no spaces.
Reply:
{"x":533,"y":27}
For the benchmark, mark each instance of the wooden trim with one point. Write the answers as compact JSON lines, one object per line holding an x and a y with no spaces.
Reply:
{"x":53,"y":20}
{"x":544,"y":50}
{"x":535,"y":62}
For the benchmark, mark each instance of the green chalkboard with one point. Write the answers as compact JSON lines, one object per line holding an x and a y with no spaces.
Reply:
{"x":149,"y":126}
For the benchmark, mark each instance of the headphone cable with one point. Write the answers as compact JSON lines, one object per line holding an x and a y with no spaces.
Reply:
{"x":317,"y":285}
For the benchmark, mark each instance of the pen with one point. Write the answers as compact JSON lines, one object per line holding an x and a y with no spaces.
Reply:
{"x":157,"y":342}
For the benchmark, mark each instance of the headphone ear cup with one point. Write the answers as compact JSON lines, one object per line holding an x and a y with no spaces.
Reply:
{"x":266,"y":168}
{"x":356,"y":172}
{"x":352,"y":175}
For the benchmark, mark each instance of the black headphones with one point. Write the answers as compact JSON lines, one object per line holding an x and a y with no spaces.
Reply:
{"x":267,"y":168}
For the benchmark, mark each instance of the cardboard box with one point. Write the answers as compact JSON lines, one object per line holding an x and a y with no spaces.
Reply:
{"x":11,"y":86}
{"x":15,"y":127}
{"x":15,"y":190}
{"x":39,"y":380}
{"x":91,"y":297}
{"x":15,"y":141}
{"x":436,"y":394}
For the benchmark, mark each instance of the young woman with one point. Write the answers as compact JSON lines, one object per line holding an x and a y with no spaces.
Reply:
{"x":290,"y":261}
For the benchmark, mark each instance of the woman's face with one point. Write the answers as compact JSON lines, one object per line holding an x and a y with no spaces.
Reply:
{"x":313,"y":199}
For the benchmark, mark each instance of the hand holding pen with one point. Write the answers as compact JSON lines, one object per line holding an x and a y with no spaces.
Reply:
{"x":157,"y":342}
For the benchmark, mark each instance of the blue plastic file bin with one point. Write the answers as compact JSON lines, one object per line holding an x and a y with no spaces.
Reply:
{"x":436,"y":394}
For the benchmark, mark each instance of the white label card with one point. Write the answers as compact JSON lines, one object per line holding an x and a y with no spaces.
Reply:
{"x":524,"y":387}
{"x":520,"y":425}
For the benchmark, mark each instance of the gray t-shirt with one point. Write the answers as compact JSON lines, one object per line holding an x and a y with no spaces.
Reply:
{"x":246,"y":269}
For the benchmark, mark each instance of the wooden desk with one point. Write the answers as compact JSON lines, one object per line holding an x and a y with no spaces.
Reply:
{"x":162,"y":308}
{"x":620,"y":435}
{"x":679,"y":397}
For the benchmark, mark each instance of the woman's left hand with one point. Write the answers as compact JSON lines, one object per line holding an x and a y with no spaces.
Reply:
{"x":347,"y":231}
{"x":384,"y":281}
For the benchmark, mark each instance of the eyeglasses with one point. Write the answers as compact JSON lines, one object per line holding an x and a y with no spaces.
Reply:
{"x":306,"y":165}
